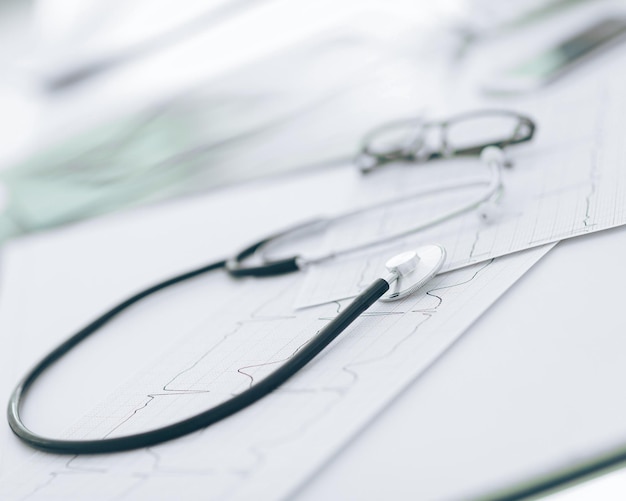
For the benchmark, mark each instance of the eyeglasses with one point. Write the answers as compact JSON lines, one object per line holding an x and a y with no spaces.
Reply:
{"x":467,"y":134}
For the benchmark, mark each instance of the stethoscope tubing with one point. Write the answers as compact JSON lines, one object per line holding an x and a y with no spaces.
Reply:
{"x":211,"y":416}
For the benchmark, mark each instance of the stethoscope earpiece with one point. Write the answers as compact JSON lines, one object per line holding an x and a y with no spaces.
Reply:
{"x":493,"y":154}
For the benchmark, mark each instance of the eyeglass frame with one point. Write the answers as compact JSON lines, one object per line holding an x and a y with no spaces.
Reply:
{"x":523,"y":132}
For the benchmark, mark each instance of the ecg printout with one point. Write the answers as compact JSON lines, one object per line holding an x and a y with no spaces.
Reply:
{"x":569,"y":180}
{"x":269,"y":449}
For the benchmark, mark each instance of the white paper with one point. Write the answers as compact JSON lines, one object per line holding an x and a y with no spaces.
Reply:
{"x":269,"y":449}
{"x":568,"y":181}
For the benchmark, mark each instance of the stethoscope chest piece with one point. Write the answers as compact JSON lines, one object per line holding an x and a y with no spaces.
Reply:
{"x":413,"y":269}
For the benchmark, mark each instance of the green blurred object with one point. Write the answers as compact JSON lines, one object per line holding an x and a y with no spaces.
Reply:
{"x":305,"y":107}
{"x":163,"y":153}
{"x":187,"y":145}
{"x":221,"y":133}
{"x":104,"y":169}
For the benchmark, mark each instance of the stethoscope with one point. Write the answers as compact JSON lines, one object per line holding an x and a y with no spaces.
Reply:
{"x":405,"y":273}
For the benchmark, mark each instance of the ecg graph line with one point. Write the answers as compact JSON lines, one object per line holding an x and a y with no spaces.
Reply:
{"x":431,"y":292}
{"x":242,"y":370}
{"x":167,"y":390}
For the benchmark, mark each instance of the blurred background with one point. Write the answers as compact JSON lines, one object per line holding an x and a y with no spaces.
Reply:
{"x":107,"y":105}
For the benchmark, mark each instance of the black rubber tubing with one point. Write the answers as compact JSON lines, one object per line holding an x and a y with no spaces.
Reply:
{"x":206,"y":418}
